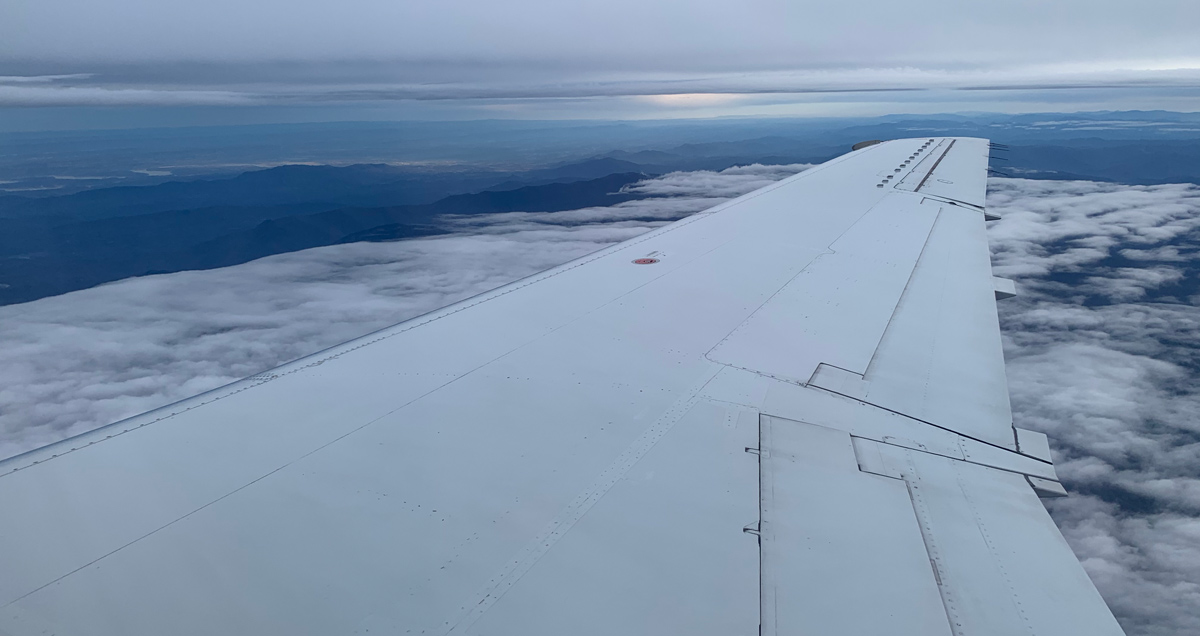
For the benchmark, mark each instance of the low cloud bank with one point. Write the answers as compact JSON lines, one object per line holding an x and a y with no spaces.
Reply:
{"x":74,"y":362}
{"x":1103,"y":349}
{"x":1101,"y":344}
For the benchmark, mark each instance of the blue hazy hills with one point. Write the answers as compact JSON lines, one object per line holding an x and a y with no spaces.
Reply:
{"x":76,"y":246}
{"x":81,"y":208}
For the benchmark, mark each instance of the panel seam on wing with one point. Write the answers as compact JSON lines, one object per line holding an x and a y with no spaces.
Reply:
{"x":522,"y":562}
{"x":904,"y":292}
{"x":828,"y":251}
{"x":902,"y":414}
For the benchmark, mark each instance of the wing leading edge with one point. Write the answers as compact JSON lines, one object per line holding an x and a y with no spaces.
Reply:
{"x":796,"y":417}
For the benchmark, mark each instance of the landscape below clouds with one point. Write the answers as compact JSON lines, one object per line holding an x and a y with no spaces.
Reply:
{"x":1101,"y":343}
{"x":89,"y":207}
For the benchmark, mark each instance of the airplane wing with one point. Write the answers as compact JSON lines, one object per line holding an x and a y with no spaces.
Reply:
{"x":785,"y":415}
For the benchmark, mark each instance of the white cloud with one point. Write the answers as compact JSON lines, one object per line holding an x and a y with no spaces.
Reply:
{"x":74,"y":362}
{"x":41,"y":79}
{"x":18,"y":95}
{"x":1105,"y":362}
{"x":730,"y":182}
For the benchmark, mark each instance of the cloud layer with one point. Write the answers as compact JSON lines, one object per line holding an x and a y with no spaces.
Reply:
{"x":1103,"y":349}
{"x":1102,"y":344}
{"x":74,"y":362}
{"x":696,"y":35}
{"x":265,"y":84}
{"x":172,"y":52}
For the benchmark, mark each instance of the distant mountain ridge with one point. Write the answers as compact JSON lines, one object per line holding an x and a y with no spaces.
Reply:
{"x":39,"y":259}
{"x":41,"y":164}
{"x":363,"y":185}
{"x":50,"y":244}
{"x":334,"y":186}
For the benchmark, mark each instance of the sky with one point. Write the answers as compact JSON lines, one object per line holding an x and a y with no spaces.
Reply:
{"x":318,"y":60}
{"x":1101,"y":344}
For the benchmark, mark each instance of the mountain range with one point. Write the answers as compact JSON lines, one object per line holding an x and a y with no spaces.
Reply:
{"x":48,"y":254}
{"x":69,"y":231}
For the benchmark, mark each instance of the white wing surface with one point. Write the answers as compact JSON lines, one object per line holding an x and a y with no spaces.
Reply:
{"x":785,"y":415}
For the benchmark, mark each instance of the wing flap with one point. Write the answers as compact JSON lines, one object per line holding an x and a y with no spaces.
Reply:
{"x":1003,"y":565}
{"x":922,"y":543}
{"x":941,"y":359}
{"x":831,"y":533}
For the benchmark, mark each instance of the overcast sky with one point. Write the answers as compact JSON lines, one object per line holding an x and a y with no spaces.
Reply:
{"x":542,"y":58}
